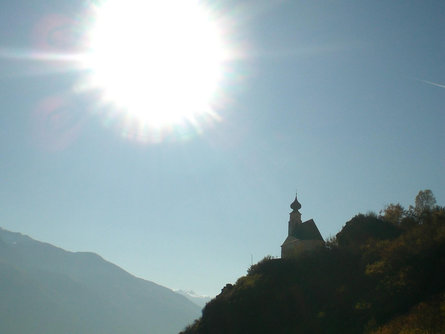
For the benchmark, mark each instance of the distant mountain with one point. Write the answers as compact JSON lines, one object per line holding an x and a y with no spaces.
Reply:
{"x":45,"y":289}
{"x":199,"y":300}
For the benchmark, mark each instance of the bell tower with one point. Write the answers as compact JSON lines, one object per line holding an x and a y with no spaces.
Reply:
{"x":295,"y":216}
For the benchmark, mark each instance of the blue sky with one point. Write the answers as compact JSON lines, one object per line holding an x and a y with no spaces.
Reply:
{"x":341,"y":100}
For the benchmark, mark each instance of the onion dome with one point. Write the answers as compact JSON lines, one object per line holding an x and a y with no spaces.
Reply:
{"x":295,"y":204}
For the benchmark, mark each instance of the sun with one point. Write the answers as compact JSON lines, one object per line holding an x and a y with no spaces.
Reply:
{"x":157,"y":63}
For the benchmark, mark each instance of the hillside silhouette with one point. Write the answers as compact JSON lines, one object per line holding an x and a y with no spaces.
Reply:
{"x":381,"y":274}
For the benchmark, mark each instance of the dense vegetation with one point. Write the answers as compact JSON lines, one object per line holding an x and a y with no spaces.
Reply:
{"x":381,"y":274}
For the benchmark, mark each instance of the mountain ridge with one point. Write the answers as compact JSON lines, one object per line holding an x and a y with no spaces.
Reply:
{"x":46,"y":289}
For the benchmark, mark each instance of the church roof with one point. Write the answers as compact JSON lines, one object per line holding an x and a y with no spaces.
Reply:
{"x":295,"y":204}
{"x":307,"y":231}
{"x":289,"y":240}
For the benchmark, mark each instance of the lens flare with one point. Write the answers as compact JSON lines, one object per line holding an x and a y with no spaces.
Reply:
{"x":156,"y":63}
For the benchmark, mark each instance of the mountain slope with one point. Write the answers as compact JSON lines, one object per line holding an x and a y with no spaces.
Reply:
{"x":44,"y":289}
{"x":372,"y":278}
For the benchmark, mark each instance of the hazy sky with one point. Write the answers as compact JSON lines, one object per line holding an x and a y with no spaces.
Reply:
{"x":343,"y":101}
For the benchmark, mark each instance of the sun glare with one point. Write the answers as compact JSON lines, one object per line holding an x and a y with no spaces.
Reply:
{"x":157,"y":62}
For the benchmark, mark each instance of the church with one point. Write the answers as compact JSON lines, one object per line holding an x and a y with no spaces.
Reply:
{"x":301,"y":237}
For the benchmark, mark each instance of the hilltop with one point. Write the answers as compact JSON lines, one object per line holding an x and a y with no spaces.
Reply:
{"x":380,"y":274}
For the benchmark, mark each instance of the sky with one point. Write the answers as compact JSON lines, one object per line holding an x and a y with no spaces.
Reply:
{"x":342,"y":101}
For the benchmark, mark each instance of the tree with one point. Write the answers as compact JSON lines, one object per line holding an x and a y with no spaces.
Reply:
{"x":362,"y":227}
{"x":425,"y":201}
{"x":393,"y":213}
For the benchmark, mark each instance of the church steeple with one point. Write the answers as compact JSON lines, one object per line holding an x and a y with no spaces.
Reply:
{"x":295,"y":216}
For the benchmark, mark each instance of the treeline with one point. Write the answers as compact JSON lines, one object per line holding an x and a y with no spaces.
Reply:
{"x":381,"y":274}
